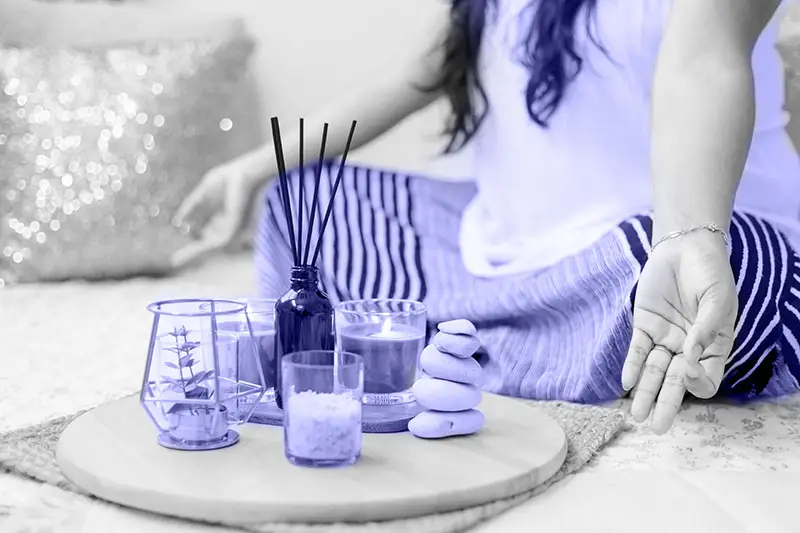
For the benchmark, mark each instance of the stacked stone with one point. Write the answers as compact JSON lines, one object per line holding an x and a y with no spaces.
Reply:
{"x":449,"y":389}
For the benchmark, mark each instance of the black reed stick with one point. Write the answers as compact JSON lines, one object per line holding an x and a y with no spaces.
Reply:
{"x":333,"y":193}
{"x":300,"y":202}
{"x":289,"y":195}
{"x":284,"y":186}
{"x":317,"y":179}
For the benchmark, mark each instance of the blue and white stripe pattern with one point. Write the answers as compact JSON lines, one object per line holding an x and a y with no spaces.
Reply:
{"x":370,"y":246}
{"x":559,"y":333}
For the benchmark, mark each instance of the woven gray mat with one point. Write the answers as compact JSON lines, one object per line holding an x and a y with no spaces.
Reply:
{"x":30,"y":452}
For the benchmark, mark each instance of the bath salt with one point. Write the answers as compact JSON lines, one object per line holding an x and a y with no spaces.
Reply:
{"x":323,"y":425}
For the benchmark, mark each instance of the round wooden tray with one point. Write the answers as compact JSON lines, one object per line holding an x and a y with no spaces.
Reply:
{"x":111,"y":452}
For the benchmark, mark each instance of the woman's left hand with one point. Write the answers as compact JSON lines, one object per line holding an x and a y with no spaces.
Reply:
{"x":683,"y":326}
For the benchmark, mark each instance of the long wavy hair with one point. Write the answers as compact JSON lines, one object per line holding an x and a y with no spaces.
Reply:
{"x":548,"y":52}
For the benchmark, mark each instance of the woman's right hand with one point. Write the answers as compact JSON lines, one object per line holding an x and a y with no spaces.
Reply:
{"x":217,"y":209}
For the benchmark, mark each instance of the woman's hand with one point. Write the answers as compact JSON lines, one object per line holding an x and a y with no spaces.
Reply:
{"x":683,"y":326}
{"x":224,"y":195}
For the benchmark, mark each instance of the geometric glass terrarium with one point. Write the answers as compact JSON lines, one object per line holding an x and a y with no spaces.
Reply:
{"x":193,"y":390}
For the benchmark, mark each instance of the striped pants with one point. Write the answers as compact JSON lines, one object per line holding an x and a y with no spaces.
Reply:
{"x":557,"y":333}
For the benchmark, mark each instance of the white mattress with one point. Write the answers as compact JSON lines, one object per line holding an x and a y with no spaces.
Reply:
{"x":73,"y":345}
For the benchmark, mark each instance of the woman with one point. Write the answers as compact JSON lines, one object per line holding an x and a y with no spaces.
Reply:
{"x":636,"y":211}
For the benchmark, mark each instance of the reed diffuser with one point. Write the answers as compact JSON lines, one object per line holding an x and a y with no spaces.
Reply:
{"x":304,"y":317}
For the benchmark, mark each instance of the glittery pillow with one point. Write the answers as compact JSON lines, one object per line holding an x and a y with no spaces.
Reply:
{"x":99,"y":144}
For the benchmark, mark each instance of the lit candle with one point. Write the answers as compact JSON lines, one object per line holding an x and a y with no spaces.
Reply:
{"x":391,"y":355}
{"x":386,"y":332}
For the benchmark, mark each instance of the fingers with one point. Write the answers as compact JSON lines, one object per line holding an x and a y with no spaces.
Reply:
{"x":652,"y":377}
{"x":704,"y":336}
{"x":699,"y":338}
{"x":676,"y":384}
{"x":195,"y":250}
{"x":214,"y":239}
{"x":712,"y":318}
{"x":632,"y":392}
{"x":702,"y":380}
{"x":670,"y":397}
{"x":640,"y":347}
{"x":192,"y":202}
{"x":222,"y":234}
{"x":707,"y":377}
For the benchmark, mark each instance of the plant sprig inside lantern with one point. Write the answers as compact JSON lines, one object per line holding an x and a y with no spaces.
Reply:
{"x":190,"y":386}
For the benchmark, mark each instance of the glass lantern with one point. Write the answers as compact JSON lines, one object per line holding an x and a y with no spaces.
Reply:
{"x":193,"y":389}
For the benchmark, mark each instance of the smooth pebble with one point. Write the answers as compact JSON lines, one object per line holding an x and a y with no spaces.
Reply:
{"x":456,"y":345}
{"x":458,"y":327}
{"x":438,"y":424}
{"x":443,"y":366}
{"x":442,"y":395}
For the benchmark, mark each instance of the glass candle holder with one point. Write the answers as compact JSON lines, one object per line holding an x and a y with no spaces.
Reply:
{"x":260,"y":313}
{"x":191,"y":388}
{"x":389,"y":335}
{"x":323,"y":407}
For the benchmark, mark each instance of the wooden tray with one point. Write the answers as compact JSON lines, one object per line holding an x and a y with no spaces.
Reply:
{"x":112,"y":453}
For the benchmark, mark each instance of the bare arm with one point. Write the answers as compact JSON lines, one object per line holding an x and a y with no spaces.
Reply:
{"x":377,"y":106}
{"x":703,"y":110}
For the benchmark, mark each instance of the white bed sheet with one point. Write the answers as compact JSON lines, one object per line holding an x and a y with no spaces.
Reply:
{"x":73,"y":345}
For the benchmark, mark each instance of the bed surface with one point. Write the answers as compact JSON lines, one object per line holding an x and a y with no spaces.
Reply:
{"x":74,"y":345}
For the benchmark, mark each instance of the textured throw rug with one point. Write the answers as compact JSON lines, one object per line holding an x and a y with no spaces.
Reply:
{"x":31,"y":452}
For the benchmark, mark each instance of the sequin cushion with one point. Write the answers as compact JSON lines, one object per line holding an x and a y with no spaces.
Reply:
{"x":99,"y":146}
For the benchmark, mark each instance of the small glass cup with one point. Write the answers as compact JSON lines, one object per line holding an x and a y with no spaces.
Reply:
{"x":261,"y":314}
{"x":390,"y":335}
{"x":323,"y":407}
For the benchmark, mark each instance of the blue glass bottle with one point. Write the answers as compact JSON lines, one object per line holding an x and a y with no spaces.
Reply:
{"x":303,"y":320}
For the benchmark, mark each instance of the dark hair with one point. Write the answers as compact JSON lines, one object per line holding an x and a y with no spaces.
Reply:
{"x":547,"y":51}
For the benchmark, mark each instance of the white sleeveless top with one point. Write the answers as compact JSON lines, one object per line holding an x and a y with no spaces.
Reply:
{"x":545,"y":194}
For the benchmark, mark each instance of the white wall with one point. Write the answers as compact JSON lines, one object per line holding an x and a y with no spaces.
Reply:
{"x":312,"y":51}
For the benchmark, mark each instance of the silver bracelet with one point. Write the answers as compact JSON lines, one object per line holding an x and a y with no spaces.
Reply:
{"x":713,"y":228}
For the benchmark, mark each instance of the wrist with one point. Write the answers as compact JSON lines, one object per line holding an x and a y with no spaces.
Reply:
{"x":667,"y":224}
{"x":708,"y":237}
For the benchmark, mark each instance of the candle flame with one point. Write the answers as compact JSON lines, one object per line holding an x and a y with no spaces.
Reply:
{"x":386,"y":327}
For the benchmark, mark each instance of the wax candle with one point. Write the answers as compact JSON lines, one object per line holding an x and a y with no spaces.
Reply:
{"x":264,"y":339}
{"x":391,"y":356}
